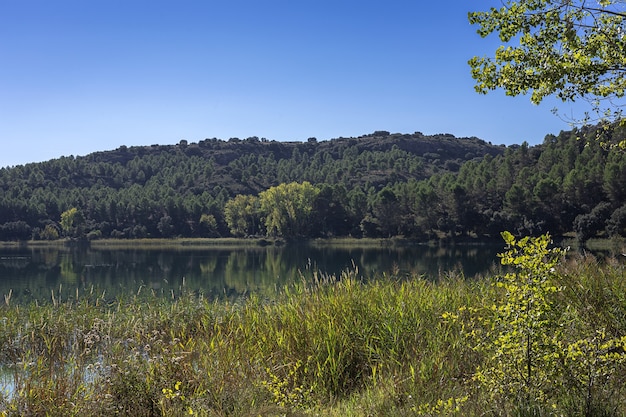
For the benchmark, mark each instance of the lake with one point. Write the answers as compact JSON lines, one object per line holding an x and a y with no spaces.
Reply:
{"x":33,"y":272}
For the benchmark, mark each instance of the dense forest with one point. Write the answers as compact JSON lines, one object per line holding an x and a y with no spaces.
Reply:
{"x":377,"y":185}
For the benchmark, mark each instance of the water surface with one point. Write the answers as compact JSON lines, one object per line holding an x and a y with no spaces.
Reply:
{"x":33,"y":272}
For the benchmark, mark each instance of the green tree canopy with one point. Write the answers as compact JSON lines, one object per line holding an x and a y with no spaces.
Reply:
{"x":72,"y":222}
{"x":568,"y":48}
{"x":243,"y":215}
{"x":287,"y":208}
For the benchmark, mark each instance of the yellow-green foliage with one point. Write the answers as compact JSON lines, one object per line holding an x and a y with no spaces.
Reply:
{"x":537,"y":352}
{"x":285,"y":390}
{"x":522,"y":337}
{"x":342,"y":347}
{"x":287,"y":208}
{"x":174,"y":401}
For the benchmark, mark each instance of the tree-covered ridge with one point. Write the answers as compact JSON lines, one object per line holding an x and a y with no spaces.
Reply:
{"x":377,"y":185}
{"x":165,"y":190}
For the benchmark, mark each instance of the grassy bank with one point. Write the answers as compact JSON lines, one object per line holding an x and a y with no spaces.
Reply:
{"x":235,"y":242}
{"x":325,"y":348}
{"x":148,"y":243}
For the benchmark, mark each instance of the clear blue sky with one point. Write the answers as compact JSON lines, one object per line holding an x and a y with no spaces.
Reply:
{"x":83,"y":76}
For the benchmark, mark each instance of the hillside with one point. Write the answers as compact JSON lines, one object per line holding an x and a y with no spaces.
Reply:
{"x":251,"y":165}
{"x":376,"y":185}
{"x":125,"y":192}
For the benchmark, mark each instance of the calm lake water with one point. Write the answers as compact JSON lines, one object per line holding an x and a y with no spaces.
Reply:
{"x":33,"y":272}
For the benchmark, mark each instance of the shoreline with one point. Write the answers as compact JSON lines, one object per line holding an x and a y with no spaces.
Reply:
{"x":602,"y":244}
{"x":243,"y":242}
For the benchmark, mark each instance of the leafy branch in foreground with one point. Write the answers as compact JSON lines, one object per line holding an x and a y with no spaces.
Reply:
{"x":571,"y":49}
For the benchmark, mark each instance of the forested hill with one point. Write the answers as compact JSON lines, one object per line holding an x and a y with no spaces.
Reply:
{"x":252,"y":165}
{"x":376,"y":185}
{"x":128,"y":191}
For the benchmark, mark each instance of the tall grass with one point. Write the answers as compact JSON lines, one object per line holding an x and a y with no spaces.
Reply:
{"x":331,"y":347}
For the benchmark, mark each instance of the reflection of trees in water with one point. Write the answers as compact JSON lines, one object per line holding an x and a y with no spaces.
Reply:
{"x":207,"y":266}
{"x":259,"y":270}
{"x":430,"y":262}
{"x":236,"y":271}
{"x":227,"y":271}
{"x":50,"y":257}
{"x":68,"y":274}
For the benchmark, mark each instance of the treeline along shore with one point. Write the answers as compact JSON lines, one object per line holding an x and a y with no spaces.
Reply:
{"x":378,"y":185}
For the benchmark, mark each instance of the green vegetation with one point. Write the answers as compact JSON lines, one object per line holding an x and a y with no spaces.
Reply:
{"x":378,"y":186}
{"x":544,"y":339}
{"x":288,"y":208}
{"x":183,"y":190}
{"x":571,"y":49}
{"x":524,"y":337}
{"x":533,"y":343}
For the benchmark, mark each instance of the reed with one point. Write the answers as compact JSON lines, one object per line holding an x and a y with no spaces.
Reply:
{"x":329,"y":346}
